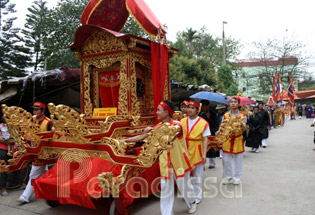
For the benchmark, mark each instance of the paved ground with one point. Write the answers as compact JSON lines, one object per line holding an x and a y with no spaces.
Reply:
{"x":279,"y":180}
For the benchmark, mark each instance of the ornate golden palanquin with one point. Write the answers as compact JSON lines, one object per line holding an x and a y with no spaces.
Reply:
{"x":105,"y":51}
{"x":128,"y":59}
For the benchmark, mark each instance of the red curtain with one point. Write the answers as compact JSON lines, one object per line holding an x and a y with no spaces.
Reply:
{"x":109,"y":83}
{"x":159,"y":59}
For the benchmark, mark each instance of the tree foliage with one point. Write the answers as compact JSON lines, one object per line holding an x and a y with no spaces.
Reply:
{"x":200,"y":54}
{"x":35,"y":32}
{"x":226,"y":82}
{"x":132,"y":27}
{"x":13,"y":56}
{"x":64,"y":20}
{"x":192,"y":71}
{"x":307,"y":84}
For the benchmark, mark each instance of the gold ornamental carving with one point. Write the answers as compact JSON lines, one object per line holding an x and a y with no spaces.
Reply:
{"x":119,"y":132}
{"x":148,"y":121}
{"x":95,"y":96}
{"x":227,"y":128}
{"x":106,"y":125}
{"x":85,"y":88}
{"x":118,"y":148}
{"x":135,"y":106}
{"x":124,"y":84}
{"x":112,"y":184}
{"x":64,"y":116}
{"x":16,"y":156}
{"x":101,"y":42}
{"x":21,"y":125}
{"x":178,"y":115}
{"x":70,"y":125}
{"x":158,"y":140}
{"x":3,"y":166}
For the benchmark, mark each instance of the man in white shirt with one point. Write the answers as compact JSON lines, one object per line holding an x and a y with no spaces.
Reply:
{"x":196,"y":131}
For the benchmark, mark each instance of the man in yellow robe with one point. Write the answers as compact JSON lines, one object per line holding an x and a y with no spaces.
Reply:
{"x":196,"y":131}
{"x":233,"y":148}
{"x":45,"y":124}
{"x":174,"y":164}
{"x":276,"y":113}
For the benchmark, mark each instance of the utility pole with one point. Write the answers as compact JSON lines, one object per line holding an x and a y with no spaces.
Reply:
{"x":223,"y":44}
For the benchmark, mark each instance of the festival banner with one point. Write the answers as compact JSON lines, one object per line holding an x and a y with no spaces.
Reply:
{"x":275,"y":91}
{"x":291,"y":92}
{"x":280,"y":89}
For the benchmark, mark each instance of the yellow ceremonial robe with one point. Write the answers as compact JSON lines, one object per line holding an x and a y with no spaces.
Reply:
{"x":235,"y":143}
{"x":176,"y":158}
{"x":277,"y":118}
{"x":194,"y":139}
{"x":43,"y":126}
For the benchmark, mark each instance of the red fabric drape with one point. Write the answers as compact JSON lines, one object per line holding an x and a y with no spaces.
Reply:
{"x":109,"y":83}
{"x":51,"y":184}
{"x":145,"y":17}
{"x":159,"y":59}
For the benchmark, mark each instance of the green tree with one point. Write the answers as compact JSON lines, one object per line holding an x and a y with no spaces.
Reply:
{"x":191,"y":70}
{"x":182,"y":46}
{"x":62,"y":23}
{"x":13,"y":56}
{"x":226,"y":82}
{"x":35,"y":31}
{"x":204,"y":52}
{"x":190,"y":36}
{"x":132,"y":27}
{"x":308,"y":84}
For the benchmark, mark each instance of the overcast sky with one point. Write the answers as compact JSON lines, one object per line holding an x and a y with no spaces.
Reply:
{"x":247,"y":20}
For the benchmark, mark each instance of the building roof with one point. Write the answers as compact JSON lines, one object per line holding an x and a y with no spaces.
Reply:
{"x":300,"y":95}
{"x":270,"y":62}
{"x":60,"y":86}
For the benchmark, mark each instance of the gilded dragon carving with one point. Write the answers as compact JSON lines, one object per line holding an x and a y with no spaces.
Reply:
{"x":227,"y":127}
{"x":70,"y":125}
{"x":158,"y":140}
{"x":21,"y":125}
{"x":112,"y":184}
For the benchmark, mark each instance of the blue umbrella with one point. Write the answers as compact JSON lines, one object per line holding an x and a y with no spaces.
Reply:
{"x":213,"y":98}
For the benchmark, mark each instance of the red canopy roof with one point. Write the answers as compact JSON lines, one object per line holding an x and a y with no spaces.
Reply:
{"x":113,"y":14}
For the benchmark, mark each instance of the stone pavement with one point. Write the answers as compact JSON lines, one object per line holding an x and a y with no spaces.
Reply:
{"x":279,"y":180}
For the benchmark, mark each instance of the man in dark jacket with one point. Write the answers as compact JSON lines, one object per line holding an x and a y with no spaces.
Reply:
{"x":300,"y":111}
{"x":211,"y":117}
{"x":255,"y":130}
{"x":266,"y":124}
